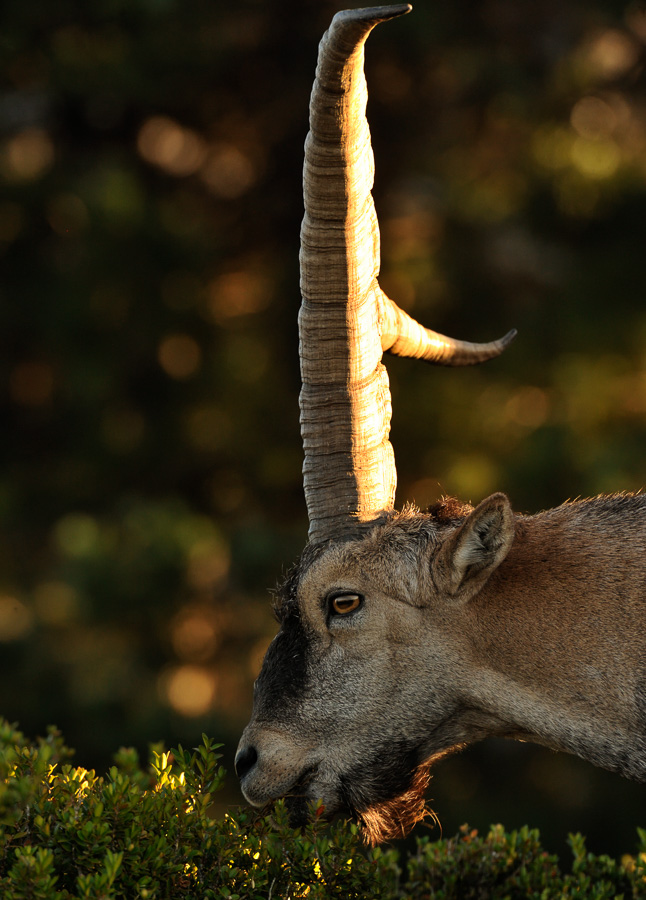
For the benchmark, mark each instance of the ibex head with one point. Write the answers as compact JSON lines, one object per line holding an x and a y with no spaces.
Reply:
{"x":342,"y":707}
{"x":375,"y":671}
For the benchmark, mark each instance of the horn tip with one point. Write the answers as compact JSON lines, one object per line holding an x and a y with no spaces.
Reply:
{"x":375,"y":14}
{"x":508,"y":338}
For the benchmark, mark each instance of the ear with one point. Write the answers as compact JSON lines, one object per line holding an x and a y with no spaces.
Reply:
{"x":468,"y":556}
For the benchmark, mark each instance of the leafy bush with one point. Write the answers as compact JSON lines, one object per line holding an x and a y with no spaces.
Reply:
{"x":514,"y":866}
{"x":68,"y":834}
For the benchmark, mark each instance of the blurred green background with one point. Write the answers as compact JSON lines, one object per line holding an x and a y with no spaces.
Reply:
{"x":150,"y":489}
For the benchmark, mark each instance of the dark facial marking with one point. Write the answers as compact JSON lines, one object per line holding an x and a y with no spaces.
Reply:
{"x":282,"y":682}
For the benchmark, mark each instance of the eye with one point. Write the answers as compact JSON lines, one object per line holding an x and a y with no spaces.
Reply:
{"x":342,"y":604}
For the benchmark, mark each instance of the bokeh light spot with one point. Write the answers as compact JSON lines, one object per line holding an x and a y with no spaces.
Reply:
{"x":28,"y":155}
{"x":77,"y":534}
{"x":189,"y":690}
{"x":237,"y":294}
{"x":597,"y":159}
{"x":179,"y":355}
{"x":228,"y":172}
{"x":194,"y":634}
{"x":16,"y":620}
{"x":611,"y":54}
{"x":177,"y":150}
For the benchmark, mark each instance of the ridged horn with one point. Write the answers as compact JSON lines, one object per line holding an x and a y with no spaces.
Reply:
{"x":346,"y":322}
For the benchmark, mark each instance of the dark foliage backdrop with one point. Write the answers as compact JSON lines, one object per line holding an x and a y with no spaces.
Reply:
{"x":150,"y":495}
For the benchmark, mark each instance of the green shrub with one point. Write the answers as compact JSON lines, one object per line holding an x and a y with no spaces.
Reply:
{"x":67,"y":833}
{"x":514,"y":866}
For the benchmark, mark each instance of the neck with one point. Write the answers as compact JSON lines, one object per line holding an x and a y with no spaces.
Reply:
{"x":557,"y":642}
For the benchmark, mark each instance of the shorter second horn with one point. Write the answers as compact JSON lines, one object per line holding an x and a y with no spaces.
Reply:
{"x":402,"y":335}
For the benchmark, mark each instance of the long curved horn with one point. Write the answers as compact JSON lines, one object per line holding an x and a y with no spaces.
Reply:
{"x":346,"y":321}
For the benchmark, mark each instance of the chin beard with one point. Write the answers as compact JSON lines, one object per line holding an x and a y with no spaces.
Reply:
{"x":385,"y":795}
{"x":394,"y":817}
{"x":381,"y":821}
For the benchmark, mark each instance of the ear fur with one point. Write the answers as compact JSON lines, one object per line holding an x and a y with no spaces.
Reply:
{"x":468,"y":556}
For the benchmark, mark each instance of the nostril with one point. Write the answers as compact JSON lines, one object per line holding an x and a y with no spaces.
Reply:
{"x":245,"y":761}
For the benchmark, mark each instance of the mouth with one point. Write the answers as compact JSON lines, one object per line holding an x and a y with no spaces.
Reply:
{"x":386,"y":801}
{"x":301,"y":796}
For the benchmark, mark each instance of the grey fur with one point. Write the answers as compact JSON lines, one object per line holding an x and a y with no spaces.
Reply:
{"x":549,"y":646}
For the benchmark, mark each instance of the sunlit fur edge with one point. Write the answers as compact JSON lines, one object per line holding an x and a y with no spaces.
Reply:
{"x":394,"y":819}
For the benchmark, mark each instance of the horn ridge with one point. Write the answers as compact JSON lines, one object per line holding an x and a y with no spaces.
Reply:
{"x":349,"y":469}
{"x":346,"y":322}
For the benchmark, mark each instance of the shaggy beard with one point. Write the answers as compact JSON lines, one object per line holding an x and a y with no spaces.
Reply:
{"x":388,"y":818}
{"x":381,"y":821}
{"x":393,"y":819}
{"x":387,"y":802}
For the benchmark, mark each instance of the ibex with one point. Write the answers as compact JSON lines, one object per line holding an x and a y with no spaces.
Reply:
{"x":407,"y":635}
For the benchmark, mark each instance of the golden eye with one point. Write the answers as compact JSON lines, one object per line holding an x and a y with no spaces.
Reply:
{"x":346,"y":603}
